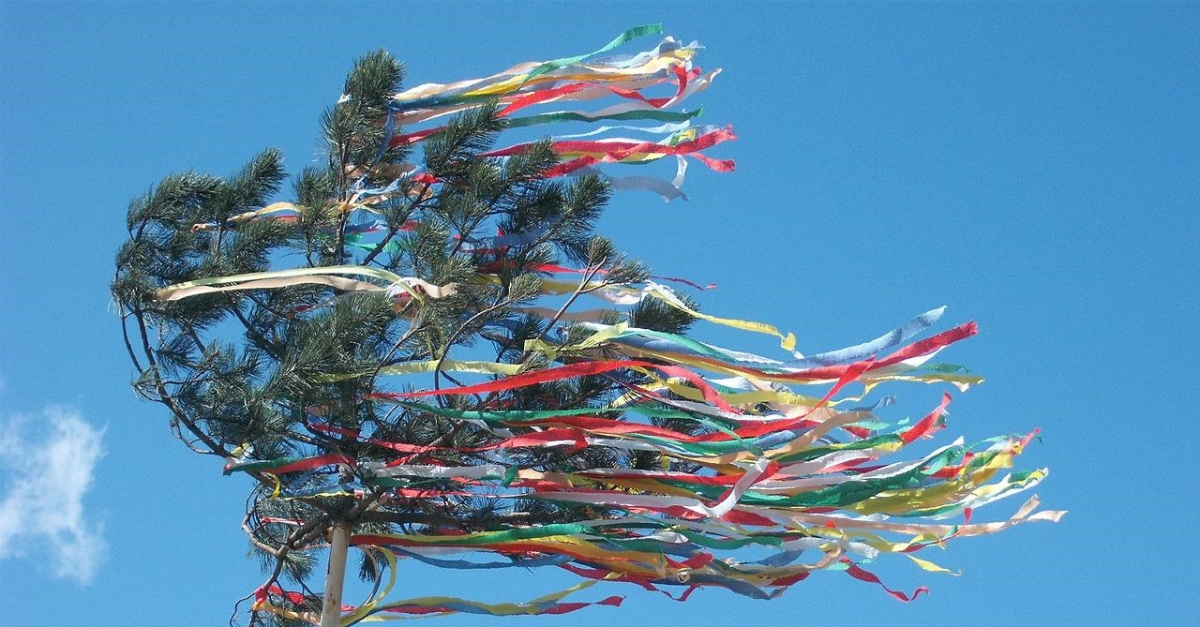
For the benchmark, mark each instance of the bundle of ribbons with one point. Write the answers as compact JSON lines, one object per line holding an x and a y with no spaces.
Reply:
{"x":795,"y":464}
{"x":523,"y":91}
{"x":804,"y":479}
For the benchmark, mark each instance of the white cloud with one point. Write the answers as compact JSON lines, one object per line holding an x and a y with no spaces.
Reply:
{"x":42,"y":484}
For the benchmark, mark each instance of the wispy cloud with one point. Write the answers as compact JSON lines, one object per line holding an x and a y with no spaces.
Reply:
{"x":46,"y":467}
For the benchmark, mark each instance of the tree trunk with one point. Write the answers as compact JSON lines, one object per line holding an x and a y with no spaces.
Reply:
{"x":335,"y":577}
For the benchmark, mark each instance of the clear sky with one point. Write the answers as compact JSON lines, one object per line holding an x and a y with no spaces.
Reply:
{"x":1036,"y":167}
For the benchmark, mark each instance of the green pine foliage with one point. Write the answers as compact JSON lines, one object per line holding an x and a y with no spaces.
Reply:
{"x":248,"y":370}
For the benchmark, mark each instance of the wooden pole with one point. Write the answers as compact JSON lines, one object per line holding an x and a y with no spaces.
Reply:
{"x":335,"y":577}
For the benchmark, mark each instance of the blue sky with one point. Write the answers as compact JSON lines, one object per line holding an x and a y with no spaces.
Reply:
{"x":1033,"y":166}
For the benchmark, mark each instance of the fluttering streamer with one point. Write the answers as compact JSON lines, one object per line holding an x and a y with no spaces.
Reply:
{"x":793,"y":470}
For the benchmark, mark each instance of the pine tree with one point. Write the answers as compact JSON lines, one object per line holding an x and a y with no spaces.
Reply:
{"x":270,"y":330}
{"x":248,"y":370}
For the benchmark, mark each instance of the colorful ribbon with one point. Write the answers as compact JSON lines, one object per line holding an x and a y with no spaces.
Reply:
{"x":737,"y":453}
